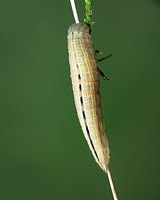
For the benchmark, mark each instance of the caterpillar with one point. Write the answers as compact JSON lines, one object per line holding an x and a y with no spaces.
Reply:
{"x":85,"y":76}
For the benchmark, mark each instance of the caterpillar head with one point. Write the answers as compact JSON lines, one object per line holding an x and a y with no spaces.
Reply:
{"x":79,"y":27}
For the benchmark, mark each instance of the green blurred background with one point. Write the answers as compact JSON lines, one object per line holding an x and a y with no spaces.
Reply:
{"x":43,"y":153}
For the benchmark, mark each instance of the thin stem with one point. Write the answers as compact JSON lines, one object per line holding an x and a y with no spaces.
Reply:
{"x":74,"y":11}
{"x":112,"y":185}
{"x":101,"y":59}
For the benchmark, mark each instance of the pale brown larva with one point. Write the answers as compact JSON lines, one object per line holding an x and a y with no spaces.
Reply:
{"x":85,"y":82}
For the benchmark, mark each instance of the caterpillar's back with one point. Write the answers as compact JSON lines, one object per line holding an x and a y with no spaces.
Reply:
{"x":85,"y":82}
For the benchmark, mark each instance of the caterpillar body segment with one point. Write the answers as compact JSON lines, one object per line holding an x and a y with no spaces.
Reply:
{"x":85,"y":83}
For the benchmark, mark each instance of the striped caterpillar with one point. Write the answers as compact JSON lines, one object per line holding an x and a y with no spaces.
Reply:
{"x":85,"y":83}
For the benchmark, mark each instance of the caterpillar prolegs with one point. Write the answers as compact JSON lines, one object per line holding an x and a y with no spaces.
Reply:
{"x":85,"y":82}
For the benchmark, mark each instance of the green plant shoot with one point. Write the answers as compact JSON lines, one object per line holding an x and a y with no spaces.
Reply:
{"x":88,"y":20}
